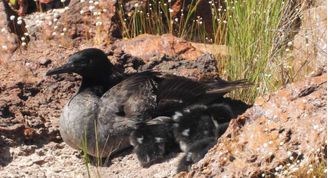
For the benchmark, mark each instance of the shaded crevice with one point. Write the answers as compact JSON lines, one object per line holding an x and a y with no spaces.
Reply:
{"x":306,"y":91}
{"x":6,"y":113}
{"x":26,"y":92}
{"x":288,"y":136}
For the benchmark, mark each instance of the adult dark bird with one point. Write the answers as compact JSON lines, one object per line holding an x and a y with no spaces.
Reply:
{"x":108,"y":106}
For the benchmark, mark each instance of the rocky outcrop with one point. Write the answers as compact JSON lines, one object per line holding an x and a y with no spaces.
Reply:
{"x":283,"y":132}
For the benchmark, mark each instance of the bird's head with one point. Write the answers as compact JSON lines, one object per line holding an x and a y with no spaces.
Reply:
{"x":91,"y":62}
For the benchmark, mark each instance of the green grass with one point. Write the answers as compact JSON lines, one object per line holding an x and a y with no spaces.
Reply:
{"x":85,"y":154}
{"x":257,"y":47}
{"x":97,"y":161}
{"x":154,"y":17}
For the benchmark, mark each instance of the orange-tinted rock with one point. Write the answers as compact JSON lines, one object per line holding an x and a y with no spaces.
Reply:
{"x":167,"y":54}
{"x":281,"y":128}
{"x":30,"y":133}
{"x":24,"y":93}
{"x":149,"y":45}
{"x":45,"y":1}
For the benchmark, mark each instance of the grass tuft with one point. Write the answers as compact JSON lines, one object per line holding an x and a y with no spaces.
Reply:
{"x":259,"y":35}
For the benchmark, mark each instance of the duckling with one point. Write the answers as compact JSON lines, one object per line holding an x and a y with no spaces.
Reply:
{"x":152,"y":140}
{"x":191,"y":124}
{"x":206,"y":124}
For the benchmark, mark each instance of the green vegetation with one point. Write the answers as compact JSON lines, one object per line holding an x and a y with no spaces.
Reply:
{"x":154,"y":17}
{"x":259,"y":52}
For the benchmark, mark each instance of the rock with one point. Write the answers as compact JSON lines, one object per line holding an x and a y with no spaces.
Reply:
{"x":26,"y":150}
{"x":217,"y":50}
{"x":145,"y":46}
{"x":26,"y":114}
{"x":280,"y":129}
{"x":78,"y":25}
{"x":161,"y":56}
{"x":310,"y":44}
{"x":45,"y":61}
{"x":204,"y":67}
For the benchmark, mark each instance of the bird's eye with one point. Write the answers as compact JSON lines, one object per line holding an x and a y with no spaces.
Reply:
{"x":84,"y":61}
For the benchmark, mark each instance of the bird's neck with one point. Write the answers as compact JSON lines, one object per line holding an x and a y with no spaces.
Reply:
{"x":98,"y":85}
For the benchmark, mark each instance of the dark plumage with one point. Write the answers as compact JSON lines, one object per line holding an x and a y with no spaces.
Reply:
{"x":221,"y":115}
{"x":152,"y":140}
{"x":196,"y":152}
{"x":197,"y":129}
{"x":199,"y":121}
{"x":191,"y":124}
{"x":109,"y":105}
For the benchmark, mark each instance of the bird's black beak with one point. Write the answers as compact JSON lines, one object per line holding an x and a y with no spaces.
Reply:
{"x":66,"y":68}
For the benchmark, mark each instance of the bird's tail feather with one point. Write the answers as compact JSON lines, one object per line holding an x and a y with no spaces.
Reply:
{"x":222,"y":86}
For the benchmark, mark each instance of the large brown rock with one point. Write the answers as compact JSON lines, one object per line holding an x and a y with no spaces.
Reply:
{"x":151,"y":45}
{"x":78,"y":24}
{"x":285,"y":127}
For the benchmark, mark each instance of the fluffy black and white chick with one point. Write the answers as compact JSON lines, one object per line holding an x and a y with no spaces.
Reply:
{"x":152,"y":140}
{"x":109,"y":105}
{"x":197,"y":129}
{"x":191,"y":124}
